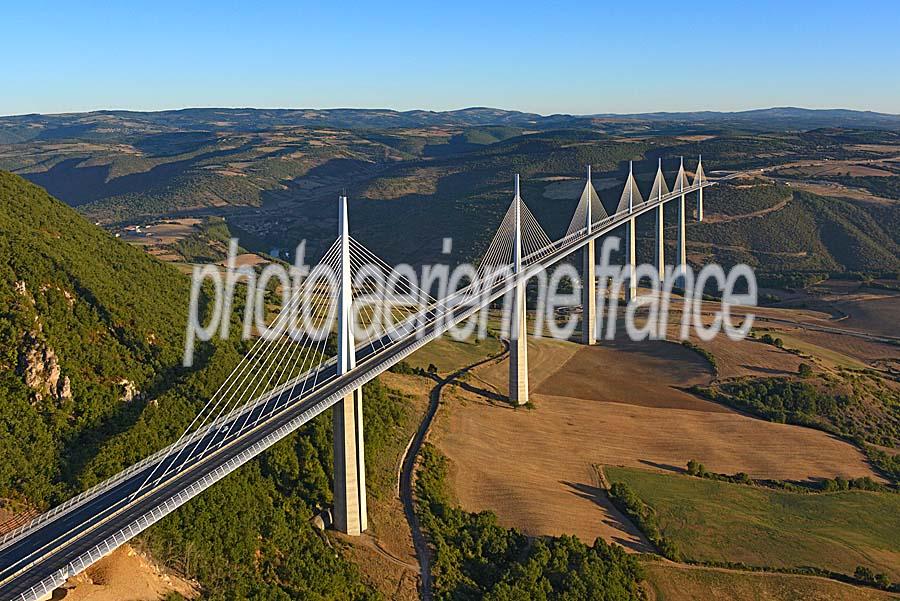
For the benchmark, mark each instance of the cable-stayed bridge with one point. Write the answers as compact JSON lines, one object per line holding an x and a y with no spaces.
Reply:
{"x":288,"y":378}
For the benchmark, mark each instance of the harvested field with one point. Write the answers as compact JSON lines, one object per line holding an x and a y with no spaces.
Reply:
{"x":825,"y":356}
{"x":545,"y":357}
{"x":833,"y":189}
{"x":752,"y":358}
{"x":885,"y":148}
{"x":748,"y":357}
{"x":877,"y":315}
{"x":535,"y":468}
{"x":833,"y":169}
{"x":588,"y":375}
{"x":866,"y":351}
{"x":247,"y":259}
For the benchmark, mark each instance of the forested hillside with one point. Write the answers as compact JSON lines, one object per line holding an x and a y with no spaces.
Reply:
{"x":90,"y":377}
{"x":89,"y":329}
{"x":793,"y":236}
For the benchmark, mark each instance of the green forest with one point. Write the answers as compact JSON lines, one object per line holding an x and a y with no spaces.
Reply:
{"x":476,"y":558}
{"x":108,"y":312}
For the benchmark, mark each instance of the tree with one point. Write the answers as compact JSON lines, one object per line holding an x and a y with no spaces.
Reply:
{"x":805,"y":370}
{"x":864,"y":574}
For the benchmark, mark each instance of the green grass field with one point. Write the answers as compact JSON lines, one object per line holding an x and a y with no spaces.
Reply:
{"x":679,"y":583}
{"x":717,"y":521}
{"x":449,"y":355}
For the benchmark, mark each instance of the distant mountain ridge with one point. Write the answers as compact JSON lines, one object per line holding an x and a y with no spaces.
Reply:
{"x":799,"y":117}
{"x":115,"y":123}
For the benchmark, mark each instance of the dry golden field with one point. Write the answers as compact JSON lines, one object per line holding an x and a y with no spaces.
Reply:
{"x":617,"y":404}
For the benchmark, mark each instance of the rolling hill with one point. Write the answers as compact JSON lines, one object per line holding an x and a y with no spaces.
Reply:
{"x":90,"y":377}
{"x":88,"y":326}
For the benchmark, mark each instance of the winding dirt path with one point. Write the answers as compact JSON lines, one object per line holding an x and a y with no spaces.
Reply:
{"x":721,"y":218}
{"x":407,"y":470}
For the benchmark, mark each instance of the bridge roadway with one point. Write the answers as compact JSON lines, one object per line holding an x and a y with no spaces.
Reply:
{"x":33,"y":564}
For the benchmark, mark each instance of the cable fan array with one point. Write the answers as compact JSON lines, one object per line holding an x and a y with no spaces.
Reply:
{"x":499,"y":253}
{"x":295,"y":354}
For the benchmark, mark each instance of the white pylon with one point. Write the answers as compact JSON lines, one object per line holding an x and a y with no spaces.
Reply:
{"x":350,"y":513}
{"x":631,"y":290}
{"x":589,"y":276}
{"x":681,"y":263}
{"x":518,"y":334}
{"x":698,"y":179}
{"x":660,"y":240}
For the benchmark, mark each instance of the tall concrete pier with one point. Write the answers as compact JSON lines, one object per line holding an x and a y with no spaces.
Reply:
{"x":589,"y":275}
{"x":630,"y":195}
{"x":518,"y":332}
{"x":659,"y":190}
{"x":681,"y":184}
{"x":350,"y":514}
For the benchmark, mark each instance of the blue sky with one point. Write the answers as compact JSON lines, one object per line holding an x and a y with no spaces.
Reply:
{"x":592,"y":57}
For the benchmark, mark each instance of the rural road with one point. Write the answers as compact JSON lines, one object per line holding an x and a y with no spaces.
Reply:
{"x":423,"y":553}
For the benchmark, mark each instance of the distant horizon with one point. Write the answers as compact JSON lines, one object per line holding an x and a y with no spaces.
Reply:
{"x":571,"y":58}
{"x":451,"y":110}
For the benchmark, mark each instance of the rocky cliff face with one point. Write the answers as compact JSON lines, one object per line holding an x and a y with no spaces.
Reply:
{"x":39,"y":366}
{"x":38,"y":363}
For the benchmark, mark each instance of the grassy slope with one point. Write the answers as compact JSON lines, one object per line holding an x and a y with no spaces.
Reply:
{"x":716,"y":521}
{"x":449,"y":355}
{"x":677,"y":583}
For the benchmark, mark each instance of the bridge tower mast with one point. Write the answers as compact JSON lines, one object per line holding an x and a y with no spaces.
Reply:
{"x":350,"y":515}
{"x":698,"y":179}
{"x":518,"y":331}
{"x":682,"y":252}
{"x":660,"y":240}
{"x":631,"y":291}
{"x":589,"y":277}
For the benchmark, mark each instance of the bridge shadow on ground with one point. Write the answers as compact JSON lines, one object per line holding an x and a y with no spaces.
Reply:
{"x":663,"y":466}
{"x":613,"y":517}
{"x":490,"y":396}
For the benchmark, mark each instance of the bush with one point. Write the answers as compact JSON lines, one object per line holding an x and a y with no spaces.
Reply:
{"x":627,"y":500}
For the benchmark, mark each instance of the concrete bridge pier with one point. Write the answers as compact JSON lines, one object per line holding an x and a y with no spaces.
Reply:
{"x":518,"y":330}
{"x":589,"y":296}
{"x":631,"y":290}
{"x":660,"y":244}
{"x":681,"y":262}
{"x":589,"y":277}
{"x":350,"y":514}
